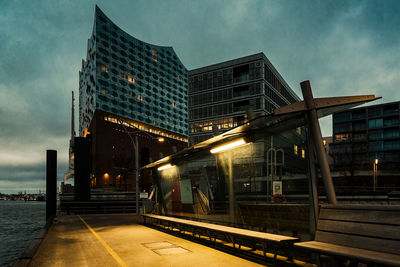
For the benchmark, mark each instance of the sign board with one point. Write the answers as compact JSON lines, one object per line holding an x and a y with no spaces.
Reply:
{"x":144,"y":195}
{"x":277,"y":188}
{"x":186,"y":191}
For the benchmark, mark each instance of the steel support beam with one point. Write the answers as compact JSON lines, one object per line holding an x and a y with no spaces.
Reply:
{"x":315,"y":131}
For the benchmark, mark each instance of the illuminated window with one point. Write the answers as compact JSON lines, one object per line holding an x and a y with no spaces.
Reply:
{"x":154,"y":54}
{"x":180,"y":77}
{"x":295,"y":148}
{"x":298,"y":130}
{"x":342,"y":137}
{"x":122,"y":75}
{"x":174,"y":105}
{"x":303,"y":153}
{"x":104,"y":91}
{"x":103,"y":68}
{"x":139,"y":97}
{"x":131,"y":79}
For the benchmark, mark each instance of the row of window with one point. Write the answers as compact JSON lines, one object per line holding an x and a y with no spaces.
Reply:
{"x":134,"y":61}
{"x":210,"y":111}
{"x":175,"y":125}
{"x":142,"y":69}
{"x":274,"y":96}
{"x":271,"y":78}
{"x":372,"y":146}
{"x":207,"y":126}
{"x":106,"y":29}
{"x":367,"y":112}
{"x":143,"y":127}
{"x":224,"y":77}
{"x":362,"y":157}
{"x":376,"y":134}
{"x":372,"y":123}
{"x":224,"y":94}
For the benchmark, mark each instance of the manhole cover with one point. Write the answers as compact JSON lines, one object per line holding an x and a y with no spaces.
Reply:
{"x":170,"y":251}
{"x":162,"y":244}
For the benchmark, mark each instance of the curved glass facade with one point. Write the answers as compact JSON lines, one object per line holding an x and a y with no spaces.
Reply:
{"x":133,"y":79}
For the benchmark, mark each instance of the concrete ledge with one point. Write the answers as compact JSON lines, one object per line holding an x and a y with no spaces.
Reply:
{"x":26,"y":257}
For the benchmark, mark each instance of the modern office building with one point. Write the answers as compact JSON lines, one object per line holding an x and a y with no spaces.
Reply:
{"x":129,"y":88}
{"x":221,"y":97}
{"x":366,"y":142}
{"x":221,"y":94}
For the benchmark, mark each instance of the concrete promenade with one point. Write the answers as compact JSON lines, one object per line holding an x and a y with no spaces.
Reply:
{"x":119,"y":240}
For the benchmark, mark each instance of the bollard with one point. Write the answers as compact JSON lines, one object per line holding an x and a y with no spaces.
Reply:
{"x":82,"y":162}
{"x":51,"y":184}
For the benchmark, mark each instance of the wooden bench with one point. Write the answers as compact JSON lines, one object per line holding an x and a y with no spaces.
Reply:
{"x":361,"y":233}
{"x":236,"y":236}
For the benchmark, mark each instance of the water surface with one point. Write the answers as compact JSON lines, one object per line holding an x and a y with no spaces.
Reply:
{"x":20,"y":222}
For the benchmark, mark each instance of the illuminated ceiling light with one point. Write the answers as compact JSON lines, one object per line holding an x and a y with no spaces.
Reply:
{"x":161,"y":139}
{"x":163,"y":167}
{"x":106,"y":176}
{"x":376,"y":161}
{"x":227,"y":146}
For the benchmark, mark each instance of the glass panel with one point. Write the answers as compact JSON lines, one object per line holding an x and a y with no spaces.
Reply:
{"x":391,"y":122}
{"x":359,"y":114}
{"x":342,"y":127}
{"x":376,"y":123}
{"x":344,"y":116}
{"x":391,"y":133}
{"x":375,"y":134}
{"x":359,"y":126}
{"x":374,"y":111}
{"x":374,"y":146}
{"x":232,"y":187}
{"x":394,"y":109}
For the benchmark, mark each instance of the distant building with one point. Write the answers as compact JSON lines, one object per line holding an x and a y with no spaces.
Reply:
{"x":225,"y":95}
{"x":364,"y":136}
{"x":129,"y":88}
{"x":220,"y":94}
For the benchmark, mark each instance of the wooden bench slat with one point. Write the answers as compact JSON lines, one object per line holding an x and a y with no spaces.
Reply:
{"x":395,"y":208}
{"x":227,"y":229}
{"x":354,"y":253}
{"x":373,"y":244}
{"x":364,"y":229}
{"x":361,"y":215}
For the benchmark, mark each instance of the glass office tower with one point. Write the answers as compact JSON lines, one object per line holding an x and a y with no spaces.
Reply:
{"x":130,"y":78}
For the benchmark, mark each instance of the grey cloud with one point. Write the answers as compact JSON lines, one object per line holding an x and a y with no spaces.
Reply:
{"x":342,"y":47}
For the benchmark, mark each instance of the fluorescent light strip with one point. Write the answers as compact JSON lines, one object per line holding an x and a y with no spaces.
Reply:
{"x":163,"y":167}
{"x":228,"y":146}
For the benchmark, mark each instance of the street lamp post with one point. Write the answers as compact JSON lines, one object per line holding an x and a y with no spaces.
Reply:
{"x":375,"y":174}
{"x":136,"y":146}
{"x":137,"y":173}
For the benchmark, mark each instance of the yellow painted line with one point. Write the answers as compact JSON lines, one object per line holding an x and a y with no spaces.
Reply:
{"x":107,"y":247}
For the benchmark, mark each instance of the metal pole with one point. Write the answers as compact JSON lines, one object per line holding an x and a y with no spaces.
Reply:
{"x":231,"y":189}
{"x":317,"y":136}
{"x":51,"y":184}
{"x":314,"y":212}
{"x":376,"y":176}
{"x":137,"y":173}
{"x":374,"y":181}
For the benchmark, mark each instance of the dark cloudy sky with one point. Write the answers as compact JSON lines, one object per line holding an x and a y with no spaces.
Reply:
{"x":342,"y":47}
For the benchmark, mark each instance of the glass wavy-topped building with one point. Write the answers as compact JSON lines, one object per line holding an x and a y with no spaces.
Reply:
{"x":128,"y":87}
{"x":127,"y":77}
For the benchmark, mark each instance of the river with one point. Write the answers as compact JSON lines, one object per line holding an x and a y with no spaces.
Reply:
{"x":20,"y":222}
